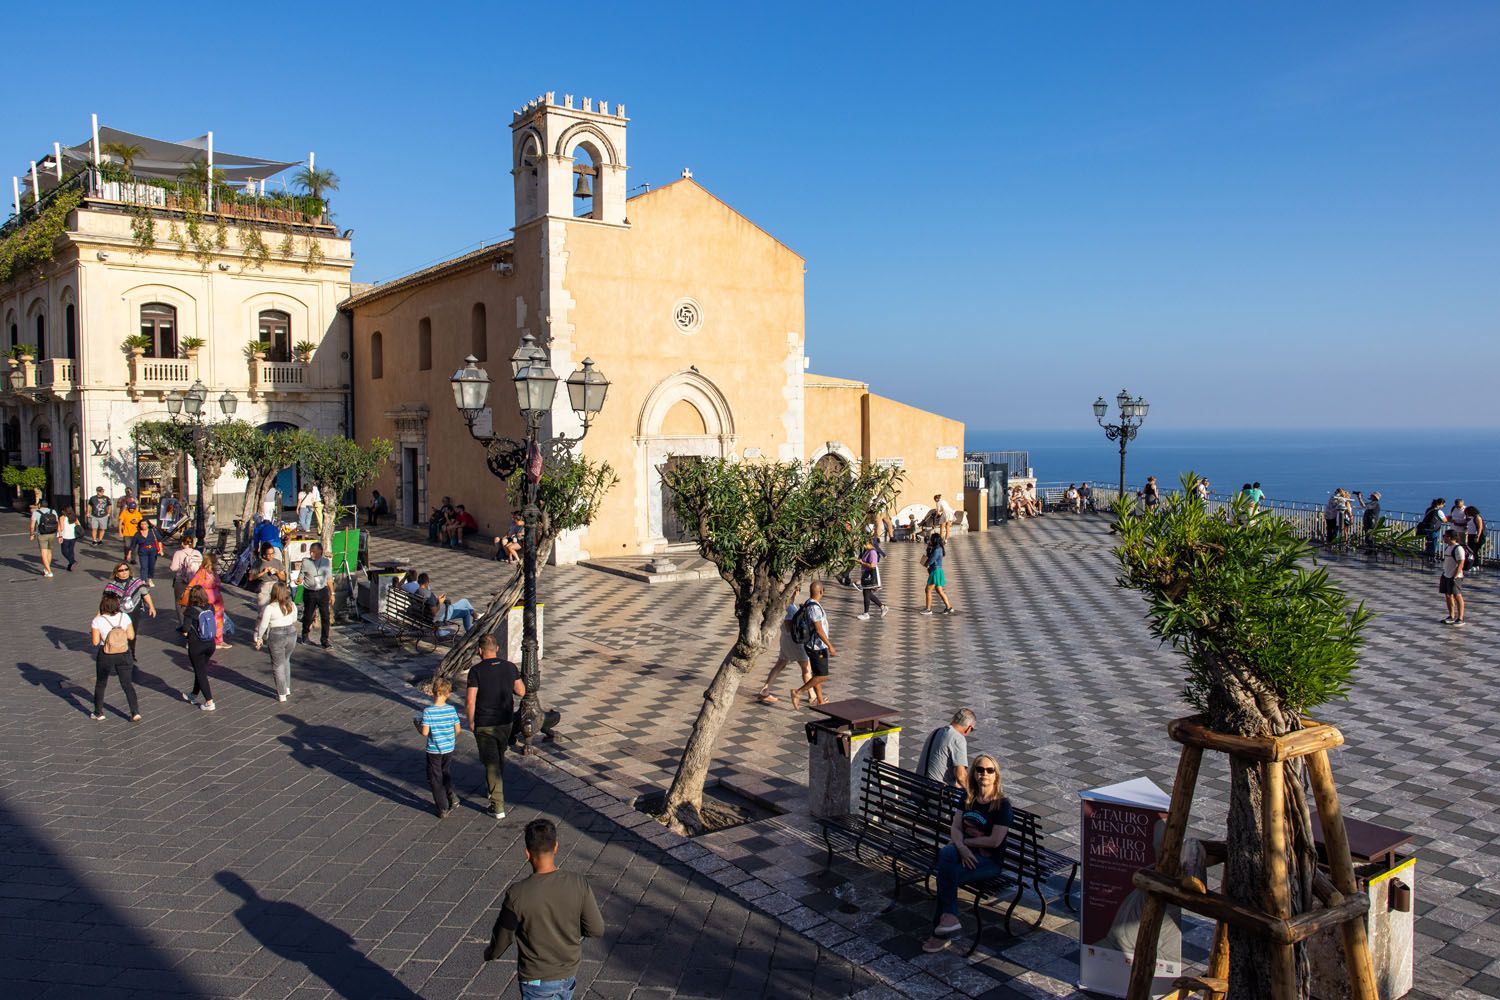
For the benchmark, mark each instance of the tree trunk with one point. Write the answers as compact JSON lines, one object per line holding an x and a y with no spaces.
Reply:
{"x":1246,"y":708}
{"x":461,"y":656}
{"x":683,"y":810}
{"x":255,"y":487}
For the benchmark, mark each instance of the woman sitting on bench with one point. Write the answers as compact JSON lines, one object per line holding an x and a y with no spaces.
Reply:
{"x":974,"y":854}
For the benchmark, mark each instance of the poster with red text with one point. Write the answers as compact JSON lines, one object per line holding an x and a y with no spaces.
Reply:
{"x":1120,"y":833}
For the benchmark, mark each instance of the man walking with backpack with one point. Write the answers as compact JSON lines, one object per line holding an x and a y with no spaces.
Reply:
{"x":810,"y":629}
{"x":1451,"y":582}
{"x":44,"y":533}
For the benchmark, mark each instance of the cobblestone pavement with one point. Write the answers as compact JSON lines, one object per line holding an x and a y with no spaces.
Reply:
{"x":1071,"y":692}
{"x":289,"y":850}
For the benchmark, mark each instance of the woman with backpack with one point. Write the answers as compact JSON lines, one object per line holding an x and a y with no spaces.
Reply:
{"x":202,"y":629}
{"x":131,"y":590}
{"x":277,"y":629}
{"x":148,"y":546}
{"x":112,"y":634}
{"x":1431,"y":527}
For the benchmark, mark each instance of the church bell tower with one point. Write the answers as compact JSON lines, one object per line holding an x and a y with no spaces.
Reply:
{"x":569,"y":161}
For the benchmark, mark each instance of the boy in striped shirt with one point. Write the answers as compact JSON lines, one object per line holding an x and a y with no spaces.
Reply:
{"x":439,"y":724}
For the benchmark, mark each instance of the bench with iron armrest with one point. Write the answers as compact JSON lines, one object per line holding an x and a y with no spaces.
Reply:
{"x":1025,"y":862}
{"x":903,"y":817}
{"x":1053,"y":500}
{"x":401,"y":617}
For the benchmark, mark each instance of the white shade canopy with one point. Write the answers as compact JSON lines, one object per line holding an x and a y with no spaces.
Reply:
{"x":166,"y":160}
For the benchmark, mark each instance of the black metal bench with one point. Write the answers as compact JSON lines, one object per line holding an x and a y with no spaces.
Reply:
{"x":401,"y":618}
{"x":907,"y":818}
{"x":903,"y":817}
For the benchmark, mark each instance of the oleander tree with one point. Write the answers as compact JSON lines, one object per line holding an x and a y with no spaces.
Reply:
{"x":170,"y":440}
{"x":568,"y":496}
{"x":767,"y":527}
{"x":1264,"y":637}
{"x":259,"y":456}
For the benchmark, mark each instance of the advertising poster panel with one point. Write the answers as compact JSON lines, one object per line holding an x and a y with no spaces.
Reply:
{"x":1120,"y":833}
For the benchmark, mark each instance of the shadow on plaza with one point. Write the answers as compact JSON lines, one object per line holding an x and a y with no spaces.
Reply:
{"x":60,"y":930}
{"x":79,"y":696}
{"x":356,"y":758}
{"x":296,"y":935}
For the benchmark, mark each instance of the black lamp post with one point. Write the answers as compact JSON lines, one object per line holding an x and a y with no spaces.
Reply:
{"x":536,"y":386}
{"x":192,"y":401}
{"x":1132,"y":415}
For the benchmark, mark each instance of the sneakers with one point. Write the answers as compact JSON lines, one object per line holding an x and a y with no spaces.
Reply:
{"x":926,"y":612}
{"x":192,"y":699}
{"x":281,"y":697}
{"x":884,"y":611}
{"x":864,"y":617}
{"x":96,"y":716}
{"x":134,"y":718}
{"x":453,"y":802}
{"x":1460,"y":622}
{"x":208,"y":706}
{"x":491,"y":813}
{"x":48,"y":574}
{"x":1449,"y":620}
{"x":950,"y":610}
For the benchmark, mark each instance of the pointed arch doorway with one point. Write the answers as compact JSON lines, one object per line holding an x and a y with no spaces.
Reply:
{"x":684,"y":419}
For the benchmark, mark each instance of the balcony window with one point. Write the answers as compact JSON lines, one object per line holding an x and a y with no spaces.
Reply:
{"x":159,"y":322}
{"x":41,"y":337}
{"x":276,"y":330}
{"x":424,"y":345}
{"x":377,"y":355}
{"x":70,"y":331}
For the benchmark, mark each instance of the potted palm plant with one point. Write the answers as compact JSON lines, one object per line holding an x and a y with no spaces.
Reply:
{"x":137,"y":344}
{"x":256,"y":350}
{"x":191,"y":346}
{"x":315,"y":181}
{"x":304,"y":350}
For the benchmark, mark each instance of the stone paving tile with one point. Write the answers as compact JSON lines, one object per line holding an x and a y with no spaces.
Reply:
{"x":288,"y":850}
{"x":1070,"y":690}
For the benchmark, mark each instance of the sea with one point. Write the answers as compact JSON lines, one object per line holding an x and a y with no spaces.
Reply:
{"x":1408,"y":467}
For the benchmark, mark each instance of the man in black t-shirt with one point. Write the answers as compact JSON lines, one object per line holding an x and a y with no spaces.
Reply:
{"x":494,"y":685}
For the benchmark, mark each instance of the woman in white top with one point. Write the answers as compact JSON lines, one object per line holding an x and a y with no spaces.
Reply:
{"x":269,"y":504}
{"x":111,"y":633}
{"x":67,"y":536}
{"x":277,"y":629}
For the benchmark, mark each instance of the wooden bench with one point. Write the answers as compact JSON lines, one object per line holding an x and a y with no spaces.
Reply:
{"x":907,"y":818}
{"x":401,"y":618}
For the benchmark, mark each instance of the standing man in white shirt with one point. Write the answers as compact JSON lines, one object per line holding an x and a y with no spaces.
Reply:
{"x":1451,"y":583}
{"x":316,"y":579}
{"x":945,"y":513}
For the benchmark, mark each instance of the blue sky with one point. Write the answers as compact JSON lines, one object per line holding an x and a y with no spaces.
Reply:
{"x":1268,"y":214}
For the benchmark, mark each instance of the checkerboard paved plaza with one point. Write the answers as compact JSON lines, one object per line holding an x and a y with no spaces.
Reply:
{"x":289,"y":850}
{"x":1072,"y":692}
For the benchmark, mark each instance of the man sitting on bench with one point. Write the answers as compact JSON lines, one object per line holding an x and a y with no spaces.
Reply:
{"x":974,"y":851}
{"x":945,"y":755}
{"x":438,"y":608}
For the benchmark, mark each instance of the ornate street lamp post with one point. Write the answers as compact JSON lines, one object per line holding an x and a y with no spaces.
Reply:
{"x":536,"y":386}
{"x":1132,"y":415}
{"x":192,"y":401}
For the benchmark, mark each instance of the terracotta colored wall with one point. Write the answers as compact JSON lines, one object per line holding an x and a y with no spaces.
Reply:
{"x":913,"y":435}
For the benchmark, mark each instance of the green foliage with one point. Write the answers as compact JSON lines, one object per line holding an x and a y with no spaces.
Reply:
{"x":125,"y":152}
{"x":257,"y":347}
{"x":316,"y":181}
{"x":1265,"y":637}
{"x":1394,"y":539}
{"x":33,"y":243}
{"x":568,"y":494}
{"x":25,"y":477}
{"x":338,"y":465}
{"x":190,"y":344}
{"x":254,"y":245}
{"x":139,"y":341}
{"x":781,"y":519}
{"x":255,"y":452}
{"x":167,"y":439}
{"x":315,"y":254}
{"x":142,"y":228}
{"x":19,"y":351}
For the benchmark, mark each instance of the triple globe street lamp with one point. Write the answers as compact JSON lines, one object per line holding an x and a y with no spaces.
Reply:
{"x":1132,"y":415}
{"x":192,"y":401}
{"x":536,"y":387}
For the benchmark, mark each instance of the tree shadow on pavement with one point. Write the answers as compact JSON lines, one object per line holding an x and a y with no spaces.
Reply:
{"x":65,"y":687}
{"x":296,"y":935}
{"x":346,"y":754}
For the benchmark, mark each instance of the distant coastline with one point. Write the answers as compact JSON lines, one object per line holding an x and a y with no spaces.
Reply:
{"x":1409,"y":467}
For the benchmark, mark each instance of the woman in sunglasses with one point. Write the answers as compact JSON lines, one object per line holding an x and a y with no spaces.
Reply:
{"x":977,"y":833}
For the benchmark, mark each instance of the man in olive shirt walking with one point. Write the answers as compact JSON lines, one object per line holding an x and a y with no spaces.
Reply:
{"x":548,"y":915}
{"x":494,"y":686}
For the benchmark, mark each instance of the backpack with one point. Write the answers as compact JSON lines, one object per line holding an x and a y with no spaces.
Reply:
{"x":117,"y":639}
{"x":46,"y":521}
{"x":802,"y":628}
{"x":208,"y":625}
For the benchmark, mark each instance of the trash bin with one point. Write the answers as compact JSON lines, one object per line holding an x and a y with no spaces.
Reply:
{"x":1389,"y":878}
{"x":855,"y":731}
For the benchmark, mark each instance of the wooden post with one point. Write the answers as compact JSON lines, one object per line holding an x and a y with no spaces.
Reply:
{"x":1143,"y":965}
{"x":1341,"y":866}
{"x":1278,"y":897}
